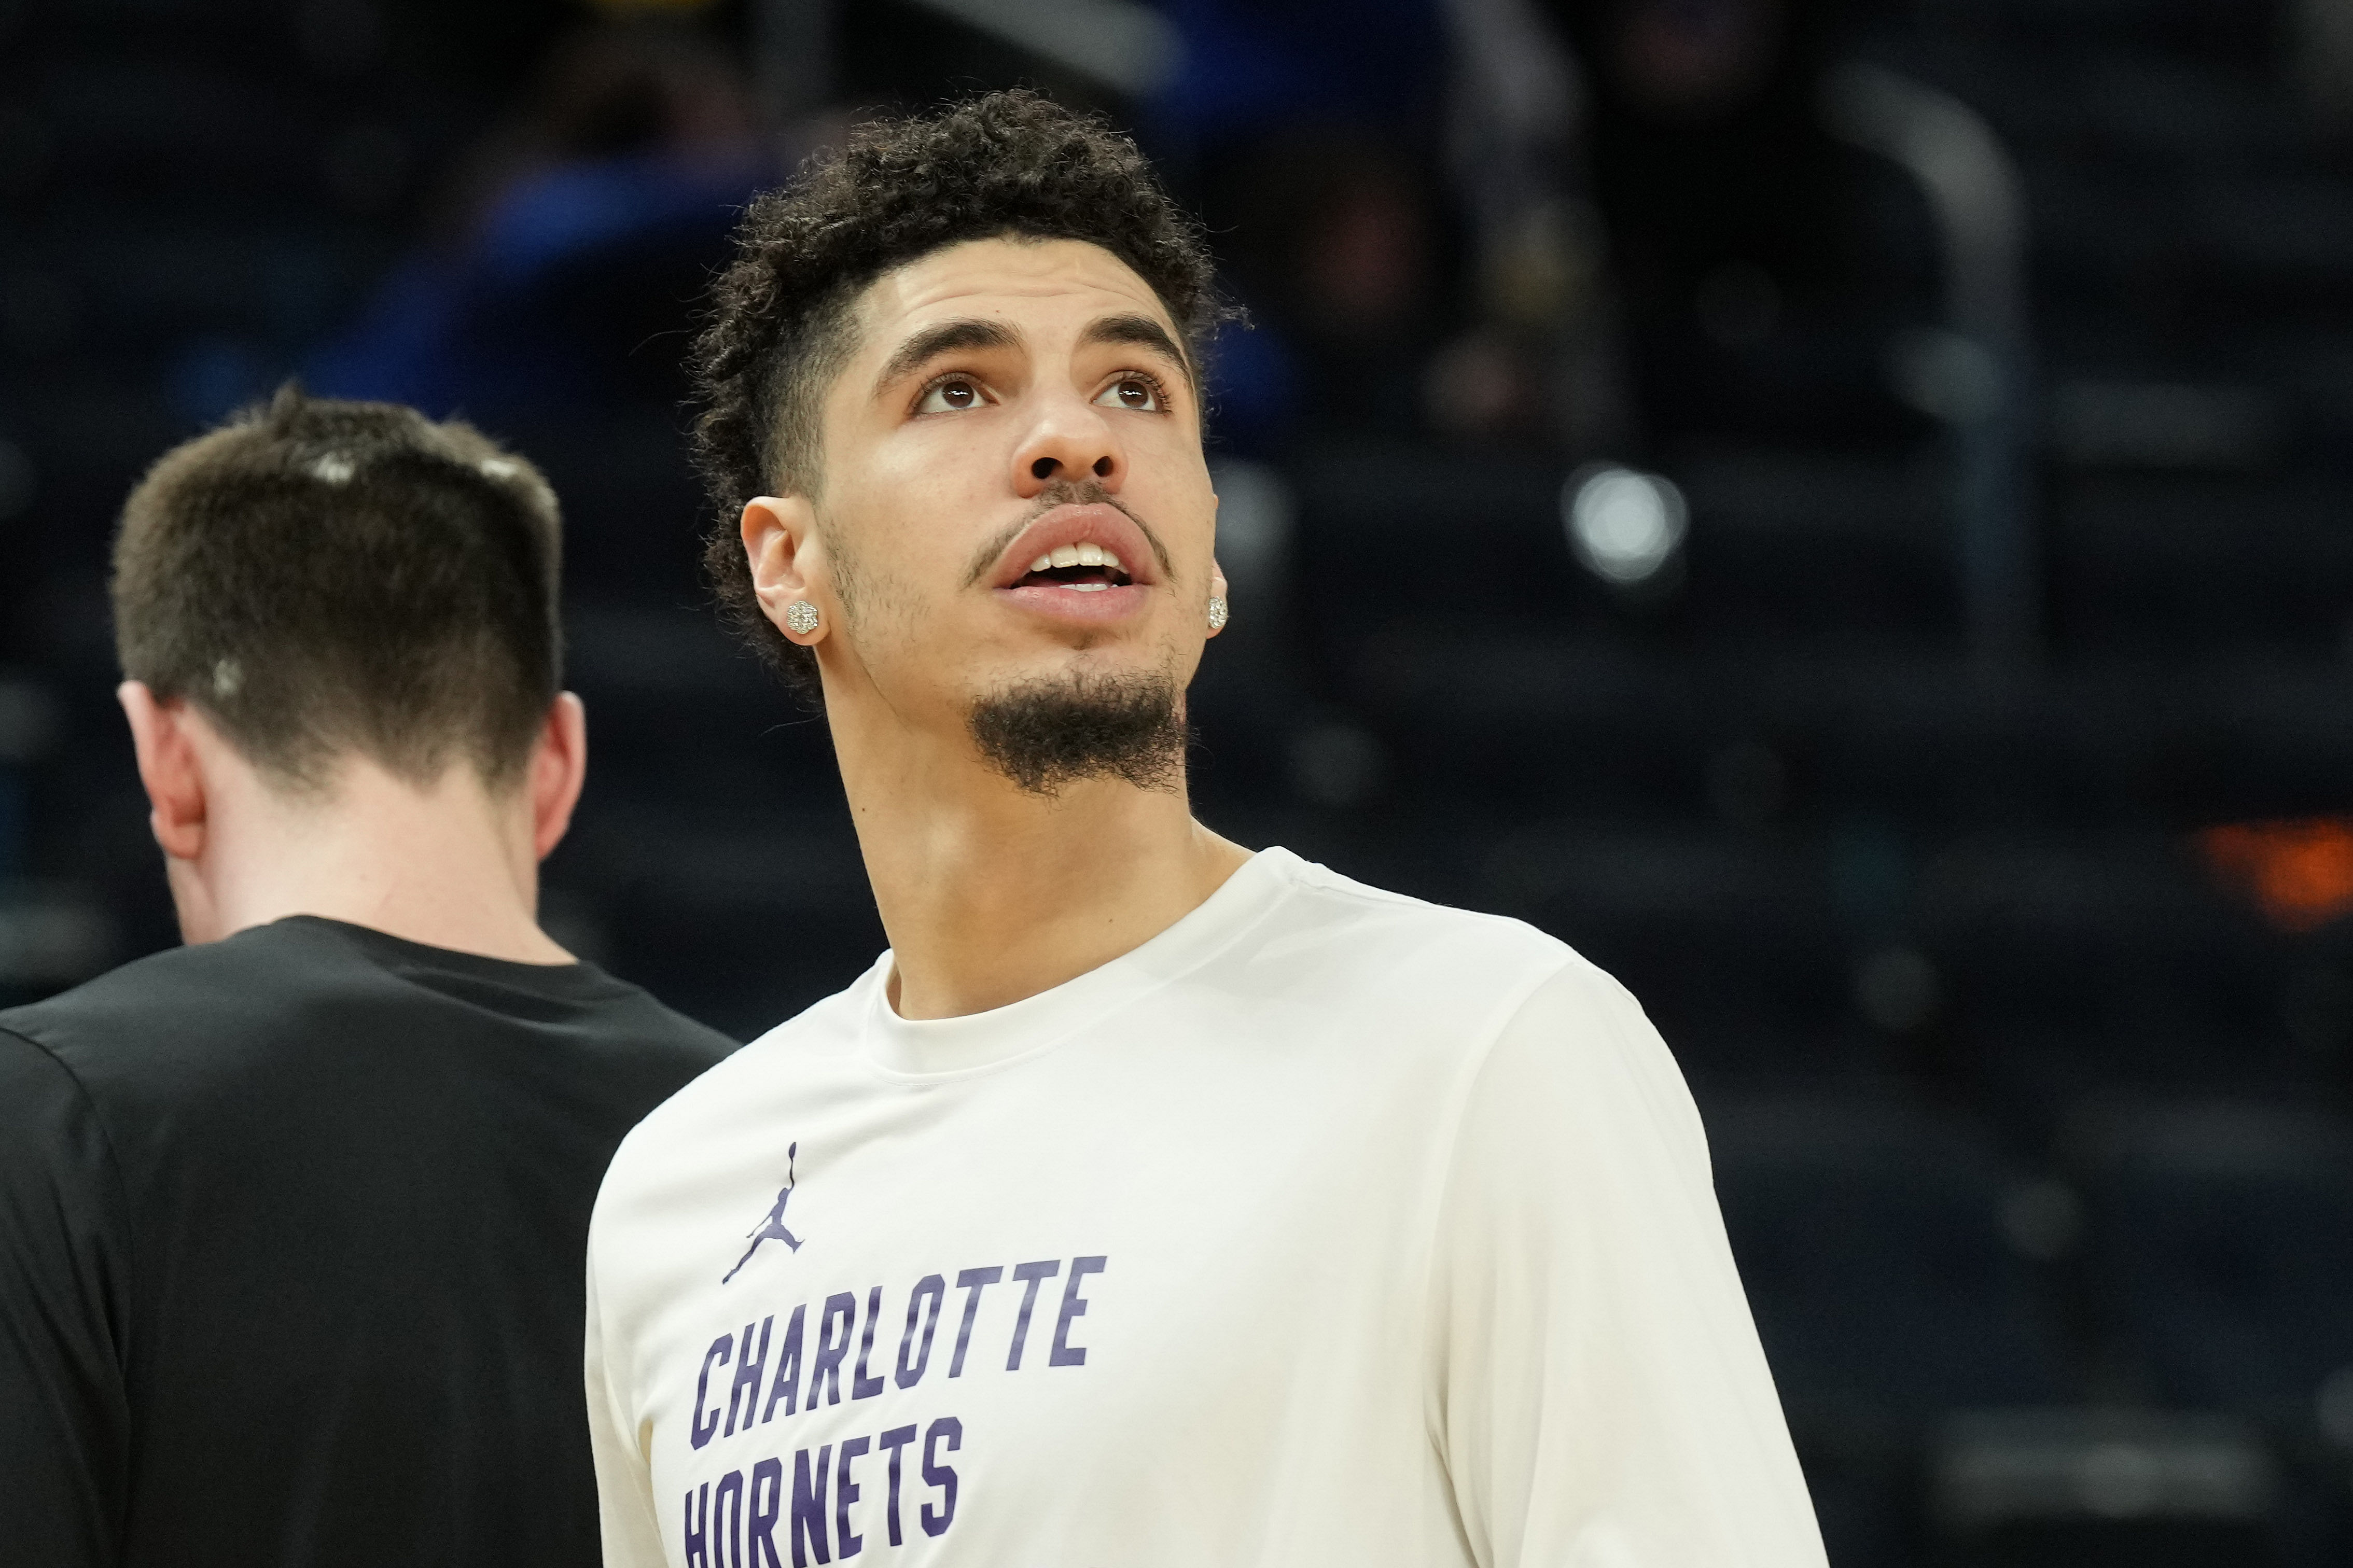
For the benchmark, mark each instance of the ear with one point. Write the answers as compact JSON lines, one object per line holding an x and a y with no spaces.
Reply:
{"x":780,"y":541}
{"x":559,"y":767}
{"x":1218,"y":588}
{"x":170,"y":769}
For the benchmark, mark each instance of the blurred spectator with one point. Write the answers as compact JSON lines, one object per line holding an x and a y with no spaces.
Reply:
{"x":1285,"y":125}
{"x":1249,"y":71}
{"x":1731,"y":212}
{"x":1338,"y":248}
{"x":1540,"y":362}
{"x":1339,"y":155}
{"x":2322,"y":40}
{"x":573,"y":243}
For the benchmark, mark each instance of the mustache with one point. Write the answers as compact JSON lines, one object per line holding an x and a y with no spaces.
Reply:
{"x":1064,"y":493}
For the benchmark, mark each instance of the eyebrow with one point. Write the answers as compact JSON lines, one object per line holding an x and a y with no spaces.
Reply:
{"x":1142,"y":332}
{"x":961,"y":336}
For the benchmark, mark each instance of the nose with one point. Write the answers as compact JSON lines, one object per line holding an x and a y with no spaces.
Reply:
{"x":1069,"y":442}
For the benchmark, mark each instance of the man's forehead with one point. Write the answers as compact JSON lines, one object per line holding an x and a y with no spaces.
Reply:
{"x":1006,"y":276}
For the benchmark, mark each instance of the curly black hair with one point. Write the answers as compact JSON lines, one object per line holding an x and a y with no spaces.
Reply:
{"x":1003,"y":163}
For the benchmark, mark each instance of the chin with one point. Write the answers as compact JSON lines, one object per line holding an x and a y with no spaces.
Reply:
{"x":1105,"y":659}
{"x":1053,"y":728}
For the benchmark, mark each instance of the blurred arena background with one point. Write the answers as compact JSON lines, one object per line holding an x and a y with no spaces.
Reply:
{"x":1840,"y":508}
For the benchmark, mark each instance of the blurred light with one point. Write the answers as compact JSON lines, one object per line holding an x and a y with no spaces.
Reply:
{"x":1946,"y":376}
{"x":1623,"y":525}
{"x":2048,"y":1467}
{"x":53,"y":936}
{"x":2163,"y":425}
{"x":1336,"y":765}
{"x":2041,"y":1219}
{"x":1124,"y":44}
{"x":2121,"y":1480}
{"x":2298,"y":871}
{"x":28,"y":720}
{"x":2334,"y":1406}
{"x":1256,"y":512}
{"x":1544,"y":265}
{"x":16,"y":820}
{"x":1896,"y":988}
{"x":1472,"y":384}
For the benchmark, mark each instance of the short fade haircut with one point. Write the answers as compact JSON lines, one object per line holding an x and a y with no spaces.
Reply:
{"x":321,"y":577}
{"x":1001,"y":164}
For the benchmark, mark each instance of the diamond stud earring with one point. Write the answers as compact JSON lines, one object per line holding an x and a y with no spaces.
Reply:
{"x":1217,"y":614}
{"x":800,"y":616}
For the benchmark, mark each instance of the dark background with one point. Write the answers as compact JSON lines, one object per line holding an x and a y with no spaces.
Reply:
{"x":1964,"y":793}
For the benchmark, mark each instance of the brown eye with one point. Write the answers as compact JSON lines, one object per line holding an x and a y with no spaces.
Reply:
{"x":949,"y":397}
{"x":1133,"y":393}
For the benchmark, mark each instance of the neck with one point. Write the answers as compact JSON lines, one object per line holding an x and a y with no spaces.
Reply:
{"x":990,"y":894}
{"x":448,"y":865}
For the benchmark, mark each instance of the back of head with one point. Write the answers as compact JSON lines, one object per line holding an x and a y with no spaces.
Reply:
{"x":323,"y":577}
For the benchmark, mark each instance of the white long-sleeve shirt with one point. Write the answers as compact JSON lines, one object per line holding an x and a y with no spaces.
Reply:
{"x":1326,"y":1227}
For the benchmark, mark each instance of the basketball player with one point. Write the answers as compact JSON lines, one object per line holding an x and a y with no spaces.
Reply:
{"x":1151,"y":1201}
{"x":292,"y":1218}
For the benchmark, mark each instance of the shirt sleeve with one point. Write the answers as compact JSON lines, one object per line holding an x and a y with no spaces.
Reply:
{"x":1599,"y":1394}
{"x":65,"y":1426}
{"x":625,"y":1497}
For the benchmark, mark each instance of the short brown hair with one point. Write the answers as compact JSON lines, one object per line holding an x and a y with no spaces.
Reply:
{"x":322,"y":577}
{"x":1003,"y":163}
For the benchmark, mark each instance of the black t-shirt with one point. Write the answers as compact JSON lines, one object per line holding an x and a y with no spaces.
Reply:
{"x":292,"y":1240}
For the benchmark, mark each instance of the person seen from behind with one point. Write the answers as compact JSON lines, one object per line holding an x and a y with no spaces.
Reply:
{"x":292,"y":1218}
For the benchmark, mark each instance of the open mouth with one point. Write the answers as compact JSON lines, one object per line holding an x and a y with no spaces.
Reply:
{"x":1087,"y":568}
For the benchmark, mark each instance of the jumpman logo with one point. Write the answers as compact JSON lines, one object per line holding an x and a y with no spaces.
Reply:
{"x":773,"y":1227}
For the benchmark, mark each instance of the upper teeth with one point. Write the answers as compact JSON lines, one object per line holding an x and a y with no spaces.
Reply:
{"x":1077,"y":555}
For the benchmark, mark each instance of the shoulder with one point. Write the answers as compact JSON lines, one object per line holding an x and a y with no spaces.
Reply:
{"x":50,"y":1133}
{"x":633,"y":1052}
{"x":1577,"y":1063}
{"x":206,"y":1017}
{"x":145,"y":1007}
{"x":1506,"y":1003}
{"x":632,"y":1020}
{"x":1365,"y":936}
{"x":748,"y":1085}
{"x":33,"y":1082}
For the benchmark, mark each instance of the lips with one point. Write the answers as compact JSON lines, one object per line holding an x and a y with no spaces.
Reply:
{"x":1072,"y":539}
{"x":1084,"y":564}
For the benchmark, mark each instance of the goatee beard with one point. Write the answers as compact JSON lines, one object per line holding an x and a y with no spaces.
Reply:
{"x":1053,"y":731}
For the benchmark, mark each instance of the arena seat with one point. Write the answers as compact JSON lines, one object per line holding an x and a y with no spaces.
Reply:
{"x":1875,"y":1239}
{"x":2101,"y":1489}
{"x":2221,"y":1249}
